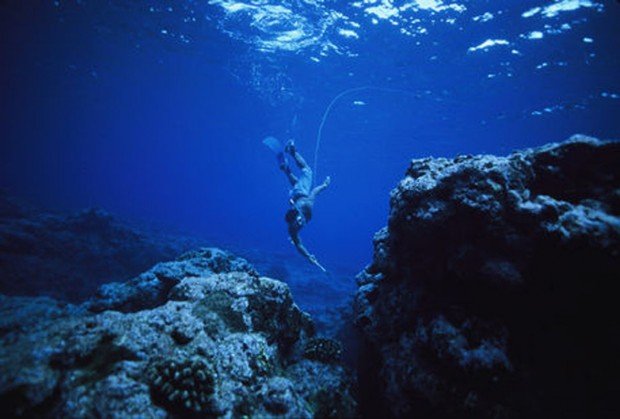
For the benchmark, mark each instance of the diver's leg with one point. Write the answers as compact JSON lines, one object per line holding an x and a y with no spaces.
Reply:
{"x":289,"y":173}
{"x":301,"y":163}
{"x":290,"y":148}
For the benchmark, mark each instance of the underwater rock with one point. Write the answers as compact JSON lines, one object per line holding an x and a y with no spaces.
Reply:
{"x":69,"y":256}
{"x":323,"y":350}
{"x":200,"y":336}
{"x":279,"y":398}
{"x":490,"y":291}
{"x":152,"y":287}
{"x":327,"y":298}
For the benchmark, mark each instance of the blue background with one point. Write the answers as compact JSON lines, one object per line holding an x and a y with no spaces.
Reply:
{"x":101,"y":108}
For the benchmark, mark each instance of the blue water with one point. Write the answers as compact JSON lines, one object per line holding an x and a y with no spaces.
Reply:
{"x":156,"y":110}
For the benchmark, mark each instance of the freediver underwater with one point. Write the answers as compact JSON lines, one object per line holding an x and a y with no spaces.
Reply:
{"x":302,"y":194}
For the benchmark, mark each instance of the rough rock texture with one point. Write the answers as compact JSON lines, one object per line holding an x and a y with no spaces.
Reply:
{"x":152,"y":288}
{"x":491,"y":289}
{"x":327,"y":298}
{"x":201,"y":336}
{"x":69,"y":256}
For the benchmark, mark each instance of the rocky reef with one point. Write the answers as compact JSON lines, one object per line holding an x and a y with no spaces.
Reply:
{"x":68,"y":256}
{"x":490,"y":294}
{"x":491,"y":290}
{"x":201,"y":336}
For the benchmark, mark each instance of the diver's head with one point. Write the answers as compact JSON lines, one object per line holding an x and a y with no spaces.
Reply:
{"x":306,"y":212}
{"x":294,"y":218}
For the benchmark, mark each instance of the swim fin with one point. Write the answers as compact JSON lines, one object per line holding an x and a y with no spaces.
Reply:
{"x":276,"y":146}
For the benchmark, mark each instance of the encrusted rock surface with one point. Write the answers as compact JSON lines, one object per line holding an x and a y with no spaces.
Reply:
{"x":201,"y":336}
{"x":491,"y":292}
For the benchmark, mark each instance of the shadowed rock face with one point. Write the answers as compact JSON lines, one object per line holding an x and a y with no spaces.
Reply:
{"x":201,"y":336}
{"x":490,"y":291}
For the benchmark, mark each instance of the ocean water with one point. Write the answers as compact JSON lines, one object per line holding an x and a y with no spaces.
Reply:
{"x":156,"y":110}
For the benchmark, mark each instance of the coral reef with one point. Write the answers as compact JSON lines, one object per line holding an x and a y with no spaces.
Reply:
{"x":201,"y":336}
{"x":490,"y":293}
{"x":184,"y":387}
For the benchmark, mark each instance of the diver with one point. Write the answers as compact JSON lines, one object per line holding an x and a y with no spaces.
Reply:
{"x":302,"y":195}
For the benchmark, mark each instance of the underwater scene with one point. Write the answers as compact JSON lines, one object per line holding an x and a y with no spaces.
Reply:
{"x":309,"y":208}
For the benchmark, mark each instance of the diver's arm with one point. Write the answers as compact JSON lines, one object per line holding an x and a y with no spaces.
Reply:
{"x":299,"y":245}
{"x":320,"y":188}
{"x":315,"y":262}
{"x":302,"y":249}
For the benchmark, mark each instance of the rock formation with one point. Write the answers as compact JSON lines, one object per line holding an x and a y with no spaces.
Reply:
{"x":69,"y":256}
{"x":490,"y":293}
{"x":201,"y":336}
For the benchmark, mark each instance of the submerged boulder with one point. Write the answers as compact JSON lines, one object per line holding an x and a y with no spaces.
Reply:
{"x":201,"y":336}
{"x":491,"y":289}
